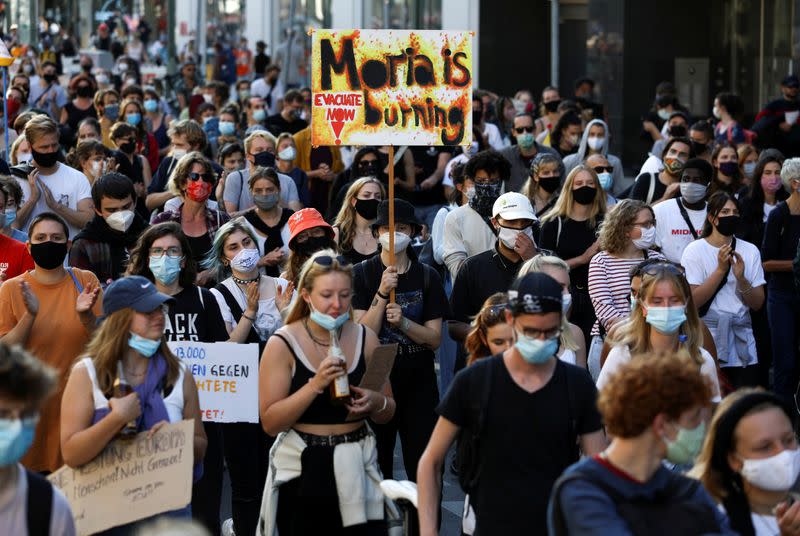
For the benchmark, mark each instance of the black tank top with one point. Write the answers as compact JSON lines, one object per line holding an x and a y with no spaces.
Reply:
{"x":321,"y":410}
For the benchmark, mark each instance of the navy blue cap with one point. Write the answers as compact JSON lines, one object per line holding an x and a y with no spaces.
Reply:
{"x":791,"y":81}
{"x":535,"y":293}
{"x":134,"y":291}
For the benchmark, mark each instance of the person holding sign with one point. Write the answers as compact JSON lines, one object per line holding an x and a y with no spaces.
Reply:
{"x":25,"y":383}
{"x":414,"y":320}
{"x":251,"y":306}
{"x":161,"y":256}
{"x":335,"y":487}
{"x":127,"y":350}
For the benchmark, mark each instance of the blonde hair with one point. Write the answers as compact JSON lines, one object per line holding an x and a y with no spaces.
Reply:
{"x":565,"y":200}
{"x":15,"y":148}
{"x":38,"y":126}
{"x":346,"y":218}
{"x":110,"y":342}
{"x":616,"y":224}
{"x":258,"y":134}
{"x":284,"y":136}
{"x":635,"y":331}
{"x":308,"y":274}
{"x":538,"y":264}
{"x":177,"y":180}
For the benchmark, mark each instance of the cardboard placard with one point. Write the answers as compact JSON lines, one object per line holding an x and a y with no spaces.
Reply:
{"x":131,"y":479}
{"x":379,"y":367}
{"x":391,"y":87}
{"x":227,"y":378}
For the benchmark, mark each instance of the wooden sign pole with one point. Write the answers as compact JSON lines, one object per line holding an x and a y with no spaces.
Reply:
{"x":391,"y":214}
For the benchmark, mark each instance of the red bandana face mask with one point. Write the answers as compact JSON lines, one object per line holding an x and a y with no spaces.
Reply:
{"x":198,"y":190}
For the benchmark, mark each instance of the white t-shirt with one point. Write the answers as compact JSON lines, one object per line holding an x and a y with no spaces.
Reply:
{"x":259,"y":88}
{"x":619,"y":355}
{"x":653,"y":164}
{"x":493,"y":136}
{"x":700,"y":260}
{"x":14,"y":510}
{"x":460,"y":159}
{"x":764,"y":525}
{"x":465,"y":234}
{"x":68,"y":186}
{"x":672,"y":232}
{"x":767,"y":209}
{"x":268,"y":317}
{"x":261,"y":239}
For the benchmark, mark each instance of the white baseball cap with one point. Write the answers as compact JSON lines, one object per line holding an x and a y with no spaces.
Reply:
{"x":513,"y":206}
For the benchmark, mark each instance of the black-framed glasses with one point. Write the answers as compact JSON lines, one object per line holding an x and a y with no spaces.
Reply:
{"x":172,"y":251}
{"x":205,"y":177}
{"x":662,"y":267}
{"x":520,"y":130}
{"x":601,"y":169}
{"x":533,"y":333}
{"x":327,"y":260}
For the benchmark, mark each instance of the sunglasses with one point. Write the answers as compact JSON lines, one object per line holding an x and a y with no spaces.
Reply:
{"x":494,"y":313}
{"x":206,"y":177}
{"x":601,"y":169}
{"x":520,"y":130}
{"x":662,"y":267}
{"x":327,"y":260}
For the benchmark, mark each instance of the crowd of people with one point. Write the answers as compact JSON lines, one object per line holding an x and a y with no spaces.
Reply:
{"x":608,"y":354}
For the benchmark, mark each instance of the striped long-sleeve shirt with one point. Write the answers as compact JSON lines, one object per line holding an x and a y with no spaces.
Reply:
{"x":610,"y":286}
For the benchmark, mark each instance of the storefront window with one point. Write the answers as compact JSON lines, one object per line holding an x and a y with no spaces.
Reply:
{"x":293,"y":51}
{"x":403,"y":14}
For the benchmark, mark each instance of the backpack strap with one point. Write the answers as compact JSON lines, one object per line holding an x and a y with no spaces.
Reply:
{"x":703,"y":311}
{"x":651,"y":190}
{"x":39,"y":504}
{"x":236,"y":311}
{"x":75,"y":280}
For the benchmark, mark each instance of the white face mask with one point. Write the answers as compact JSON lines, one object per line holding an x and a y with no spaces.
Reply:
{"x":692,"y":192}
{"x":566,"y":302}
{"x":776,"y":473}
{"x":287,"y":154}
{"x":97,"y":168}
{"x":120,"y":220}
{"x":24,"y":157}
{"x":715,"y":112}
{"x":509,"y":236}
{"x":177,"y":154}
{"x":246,"y":260}
{"x":595,"y":143}
{"x":647,"y":239}
{"x":401,"y":241}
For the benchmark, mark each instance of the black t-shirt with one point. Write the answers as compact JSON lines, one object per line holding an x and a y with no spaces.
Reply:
{"x":426,"y":160}
{"x":575,"y":239}
{"x":642,"y":187}
{"x":200,"y":245}
{"x":781,"y":237}
{"x":189,"y":319}
{"x":528,"y":441}
{"x":419,"y":304}
{"x":479,"y":277}
{"x":278,"y":125}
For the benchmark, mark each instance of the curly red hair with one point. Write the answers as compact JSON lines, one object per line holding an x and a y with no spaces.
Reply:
{"x":648,"y":385}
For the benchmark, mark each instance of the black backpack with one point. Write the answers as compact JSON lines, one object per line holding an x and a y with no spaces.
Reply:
{"x":671,"y":511}
{"x":39,"y":504}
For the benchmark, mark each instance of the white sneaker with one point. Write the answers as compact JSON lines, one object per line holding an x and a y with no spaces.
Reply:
{"x":227,"y":527}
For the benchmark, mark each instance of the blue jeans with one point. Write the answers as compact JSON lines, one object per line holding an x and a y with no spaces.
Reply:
{"x":783,"y":310}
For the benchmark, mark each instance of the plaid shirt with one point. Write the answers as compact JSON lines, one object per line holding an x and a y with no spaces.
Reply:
{"x":214,"y":219}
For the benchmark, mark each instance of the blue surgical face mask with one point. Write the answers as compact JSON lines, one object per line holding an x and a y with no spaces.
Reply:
{"x":150,"y":105}
{"x":227,"y":128}
{"x":536,"y":351}
{"x":633,"y":301}
{"x":259,"y":115}
{"x":327,"y":321}
{"x":133,"y":119}
{"x":111,"y":112}
{"x":16,"y":437}
{"x":146,"y":347}
{"x":606,"y":180}
{"x":10,"y":216}
{"x":666,"y":320}
{"x":165,"y":269}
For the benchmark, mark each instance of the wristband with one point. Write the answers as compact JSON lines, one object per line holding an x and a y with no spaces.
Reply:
{"x":252,"y":320}
{"x":382,"y":296}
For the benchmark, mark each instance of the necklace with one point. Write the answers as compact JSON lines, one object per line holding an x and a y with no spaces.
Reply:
{"x":311,"y":335}
{"x":245,"y":281}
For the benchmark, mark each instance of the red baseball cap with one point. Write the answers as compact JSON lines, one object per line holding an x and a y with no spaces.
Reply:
{"x":307,"y":218}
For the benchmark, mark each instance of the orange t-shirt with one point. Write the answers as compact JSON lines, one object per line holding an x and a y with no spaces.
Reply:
{"x":57,"y":337}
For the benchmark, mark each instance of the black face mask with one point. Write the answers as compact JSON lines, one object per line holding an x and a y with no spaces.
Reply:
{"x":552,"y":106}
{"x":312,"y":245}
{"x":128,"y":147}
{"x":584,"y":195}
{"x":50,"y":78}
{"x":726,"y":225}
{"x":699,"y":148}
{"x":677,"y":131}
{"x":84,"y":91}
{"x":485,"y":196}
{"x":549,"y":184}
{"x":45,"y":160}
{"x":368,"y":168}
{"x":367,"y":208}
{"x":49,"y":255}
{"x":264,"y":159}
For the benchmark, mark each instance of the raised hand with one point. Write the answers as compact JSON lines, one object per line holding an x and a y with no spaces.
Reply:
{"x":88,"y":298}
{"x":29,"y":298}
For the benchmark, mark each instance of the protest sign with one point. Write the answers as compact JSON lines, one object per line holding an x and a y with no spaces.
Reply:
{"x":227,"y":378}
{"x":131,"y":479}
{"x":391,"y":87}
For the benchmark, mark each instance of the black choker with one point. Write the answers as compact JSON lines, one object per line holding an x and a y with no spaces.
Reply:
{"x":245,"y":281}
